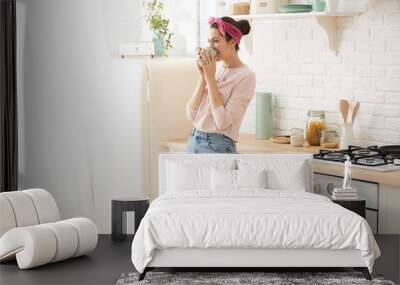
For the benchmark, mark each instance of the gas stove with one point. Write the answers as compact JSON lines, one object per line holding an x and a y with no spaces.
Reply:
{"x":384,"y":158}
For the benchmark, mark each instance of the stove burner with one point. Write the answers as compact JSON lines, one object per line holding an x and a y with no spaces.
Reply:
{"x":364,"y":152}
{"x":390,"y":149}
{"x":384,"y":158}
{"x":393,"y":156}
{"x":334,"y":156}
{"x":371,"y":161}
{"x":372,"y":156}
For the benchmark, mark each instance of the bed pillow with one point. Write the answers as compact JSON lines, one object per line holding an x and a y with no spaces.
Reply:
{"x":282,"y":174}
{"x":229,"y":179}
{"x":182,"y":177}
{"x":288,"y":176}
{"x":251,"y":178}
{"x":192,"y":174}
{"x":223,"y":179}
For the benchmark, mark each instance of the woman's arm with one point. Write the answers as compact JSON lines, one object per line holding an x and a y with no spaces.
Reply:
{"x":194,"y":102}
{"x":213,"y":93}
{"x":233,"y":112}
{"x":209,"y":75}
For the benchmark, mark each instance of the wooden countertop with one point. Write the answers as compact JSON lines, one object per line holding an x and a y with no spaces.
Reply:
{"x":249,"y":144}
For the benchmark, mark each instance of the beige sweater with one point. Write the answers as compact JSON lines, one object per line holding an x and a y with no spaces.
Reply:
{"x":236,"y":87}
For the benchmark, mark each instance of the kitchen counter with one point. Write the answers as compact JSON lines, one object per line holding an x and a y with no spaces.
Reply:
{"x":249,"y":144}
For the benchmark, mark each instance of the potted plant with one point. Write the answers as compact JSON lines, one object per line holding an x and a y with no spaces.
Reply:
{"x":158,"y":24}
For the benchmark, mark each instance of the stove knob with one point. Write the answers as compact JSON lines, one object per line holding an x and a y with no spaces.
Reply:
{"x":317,"y":188}
{"x":330,"y":188}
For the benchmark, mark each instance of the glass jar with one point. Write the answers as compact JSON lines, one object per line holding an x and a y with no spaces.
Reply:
{"x":240,"y":7}
{"x":315,"y":124}
{"x":296,"y":137}
{"x":329,"y":139}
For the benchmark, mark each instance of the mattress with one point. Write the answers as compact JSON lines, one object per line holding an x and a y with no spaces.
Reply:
{"x":251,"y":219}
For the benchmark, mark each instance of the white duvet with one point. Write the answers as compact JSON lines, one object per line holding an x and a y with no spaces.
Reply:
{"x":250,"y":219}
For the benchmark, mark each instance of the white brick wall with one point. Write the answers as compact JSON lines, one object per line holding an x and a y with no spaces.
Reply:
{"x":393,"y":45}
{"x":291,"y":58}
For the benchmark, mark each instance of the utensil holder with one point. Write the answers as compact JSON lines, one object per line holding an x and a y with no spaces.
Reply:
{"x":346,"y":137}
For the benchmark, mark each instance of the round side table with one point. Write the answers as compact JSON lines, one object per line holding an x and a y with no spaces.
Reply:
{"x":119,"y":207}
{"x":357,"y":206}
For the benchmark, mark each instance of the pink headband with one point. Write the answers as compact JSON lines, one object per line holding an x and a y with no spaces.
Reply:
{"x":226,"y":28}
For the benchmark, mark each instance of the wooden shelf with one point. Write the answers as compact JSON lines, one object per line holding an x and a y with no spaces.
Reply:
{"x":291,"y":15}
{"x":327,"y":22}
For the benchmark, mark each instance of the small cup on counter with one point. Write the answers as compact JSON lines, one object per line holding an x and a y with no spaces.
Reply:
{"x":329,"y":139}
{"x":297,"y":137}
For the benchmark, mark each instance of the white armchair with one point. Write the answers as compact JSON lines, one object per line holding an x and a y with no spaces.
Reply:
{"x":31,"y":230}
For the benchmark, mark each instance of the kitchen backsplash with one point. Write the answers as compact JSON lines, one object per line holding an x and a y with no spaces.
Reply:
{"x":291,"y":58}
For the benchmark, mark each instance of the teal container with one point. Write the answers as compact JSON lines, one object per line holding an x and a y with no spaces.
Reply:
{"x":158,"y":46}
{"x":319,"y":6}
{"x":264,"y":118}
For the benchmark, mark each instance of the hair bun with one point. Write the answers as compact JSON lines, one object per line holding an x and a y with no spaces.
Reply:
{"x":244,"y":26}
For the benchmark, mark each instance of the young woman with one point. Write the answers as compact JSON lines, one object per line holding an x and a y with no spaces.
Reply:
{"x":223,"y":92}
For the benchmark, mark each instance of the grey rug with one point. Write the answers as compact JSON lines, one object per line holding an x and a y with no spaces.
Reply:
{"x":270,"y":278}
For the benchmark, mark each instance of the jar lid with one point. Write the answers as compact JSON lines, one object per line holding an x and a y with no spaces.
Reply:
{"x":316,"y":113}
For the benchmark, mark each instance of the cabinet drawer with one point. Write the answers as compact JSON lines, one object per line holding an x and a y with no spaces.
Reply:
{"x":372,"y":219}
{"x":367,"y":191}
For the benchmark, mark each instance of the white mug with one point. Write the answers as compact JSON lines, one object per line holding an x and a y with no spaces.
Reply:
{"x":331,"y":6}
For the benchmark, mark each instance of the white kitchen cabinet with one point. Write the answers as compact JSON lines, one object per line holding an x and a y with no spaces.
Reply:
{"x":389,"y":209}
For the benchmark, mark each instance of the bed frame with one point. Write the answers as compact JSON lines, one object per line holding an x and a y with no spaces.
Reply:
{"x":245,"y":259}
{"x":242,"y":259}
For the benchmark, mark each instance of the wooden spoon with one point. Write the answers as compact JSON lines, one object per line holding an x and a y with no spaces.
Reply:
{"x":355,"y":111}
{"x":344,"y":109}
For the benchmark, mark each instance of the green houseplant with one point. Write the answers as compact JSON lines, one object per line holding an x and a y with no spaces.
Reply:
{"x":158,"y":24}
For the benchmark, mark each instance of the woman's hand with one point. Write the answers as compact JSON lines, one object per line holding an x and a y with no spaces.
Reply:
{"x":198,"y":64}
{"x":208,"y":65}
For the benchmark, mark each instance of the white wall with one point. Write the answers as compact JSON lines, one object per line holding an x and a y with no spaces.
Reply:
{"x":291,"y":58}
{"x":124,"y":21}
{"x":80,"y":109}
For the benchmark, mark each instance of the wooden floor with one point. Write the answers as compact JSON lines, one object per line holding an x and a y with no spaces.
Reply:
{"x":111,"y":259}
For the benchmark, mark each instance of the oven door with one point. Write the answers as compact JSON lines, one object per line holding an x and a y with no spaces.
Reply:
{"x":368,"y":191}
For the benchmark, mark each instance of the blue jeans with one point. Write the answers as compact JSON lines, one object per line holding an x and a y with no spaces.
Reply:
{"x":201,"y":142}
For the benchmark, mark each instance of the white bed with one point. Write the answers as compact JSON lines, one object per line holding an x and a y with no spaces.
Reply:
{"x":197,"y":222}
